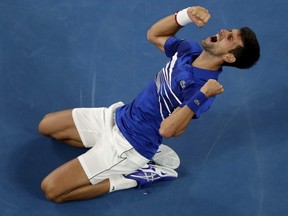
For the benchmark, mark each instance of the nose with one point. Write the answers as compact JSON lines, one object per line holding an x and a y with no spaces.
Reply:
{"x":222,"y":32}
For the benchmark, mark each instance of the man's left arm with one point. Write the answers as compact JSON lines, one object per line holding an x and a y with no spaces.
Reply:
{"x":177,"y":122}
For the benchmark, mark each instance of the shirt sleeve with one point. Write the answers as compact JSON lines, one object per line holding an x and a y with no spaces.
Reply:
{"x":173,"y":45}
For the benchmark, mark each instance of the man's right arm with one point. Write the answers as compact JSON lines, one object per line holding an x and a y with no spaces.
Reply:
{"x":162,"y":30}
{"x":168,"y":26}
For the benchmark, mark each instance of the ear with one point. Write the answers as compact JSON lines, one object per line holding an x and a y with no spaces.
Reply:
{"x":229,"y":58}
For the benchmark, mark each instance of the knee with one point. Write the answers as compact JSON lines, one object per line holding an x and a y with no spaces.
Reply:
{"x":51,"y":192}
{"x":43,"y":126}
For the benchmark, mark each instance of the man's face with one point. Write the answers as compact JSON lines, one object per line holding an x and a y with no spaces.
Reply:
{"x":222,"y":42}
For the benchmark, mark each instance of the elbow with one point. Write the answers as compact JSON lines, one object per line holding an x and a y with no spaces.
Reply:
{"x":168,"y":133}
{"x":155,"y":39}
{"x":165,"y":133}
{"x":166,"y":130}
{"x":150,"y":36}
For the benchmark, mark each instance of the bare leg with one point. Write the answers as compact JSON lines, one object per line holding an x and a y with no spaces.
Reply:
{"x":69,"y":182}
{"x":60,"y":126}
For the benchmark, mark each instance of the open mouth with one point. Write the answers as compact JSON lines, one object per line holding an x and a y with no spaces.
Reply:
{"x":214,"y":39}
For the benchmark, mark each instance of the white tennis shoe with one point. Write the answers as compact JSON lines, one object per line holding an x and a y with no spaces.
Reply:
{"x":152,"y":173}
{"x":166,"y":156}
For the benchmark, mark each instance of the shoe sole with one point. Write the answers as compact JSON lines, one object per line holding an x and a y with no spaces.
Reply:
{"x":167,"y":157}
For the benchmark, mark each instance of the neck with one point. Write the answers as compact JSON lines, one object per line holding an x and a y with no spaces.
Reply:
{"x":207,"y":62}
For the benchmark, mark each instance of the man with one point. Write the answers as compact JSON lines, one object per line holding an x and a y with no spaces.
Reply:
{"x":124,"y":138}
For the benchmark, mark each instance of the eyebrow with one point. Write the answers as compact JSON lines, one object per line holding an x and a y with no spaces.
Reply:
{"x":234,"y":33}
{"x":237,"y":34}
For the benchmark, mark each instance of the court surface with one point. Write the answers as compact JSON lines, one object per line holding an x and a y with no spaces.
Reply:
{"x":63,"y":54}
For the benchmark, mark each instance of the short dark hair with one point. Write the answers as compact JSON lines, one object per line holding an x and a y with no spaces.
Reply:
{"x":248,"y":54}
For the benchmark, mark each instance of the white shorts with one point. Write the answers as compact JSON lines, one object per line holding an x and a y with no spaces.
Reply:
{"x":111,"y":153}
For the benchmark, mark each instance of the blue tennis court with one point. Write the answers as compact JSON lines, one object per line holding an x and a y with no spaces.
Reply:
{"x":57,"y":55}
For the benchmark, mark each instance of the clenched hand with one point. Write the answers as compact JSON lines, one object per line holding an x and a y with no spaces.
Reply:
{"x":211,"y":88}
{"x":198,"y":15}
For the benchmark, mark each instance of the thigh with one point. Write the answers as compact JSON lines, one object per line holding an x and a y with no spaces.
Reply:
{"x":113,"y":155}
{"x":60,"y":125}
{"x":65,"y":179}
{"x":92,"y":123}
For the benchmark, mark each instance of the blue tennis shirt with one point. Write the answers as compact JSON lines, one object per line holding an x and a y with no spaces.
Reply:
{"x":139,"y":121}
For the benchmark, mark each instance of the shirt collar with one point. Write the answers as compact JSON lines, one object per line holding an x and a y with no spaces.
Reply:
{"x":200,"y":73}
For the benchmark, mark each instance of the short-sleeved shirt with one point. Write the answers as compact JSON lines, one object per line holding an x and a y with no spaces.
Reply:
{"x":139,"y":121}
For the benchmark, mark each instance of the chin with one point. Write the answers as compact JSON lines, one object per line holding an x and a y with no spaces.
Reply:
{"x":206,"y":45}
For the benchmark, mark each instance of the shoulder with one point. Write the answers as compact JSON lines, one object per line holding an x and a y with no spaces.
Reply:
{"x":173,"y":45}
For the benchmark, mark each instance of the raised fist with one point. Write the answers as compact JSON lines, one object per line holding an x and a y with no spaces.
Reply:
{"x":212,"y":87}
{"x":198,"y":15}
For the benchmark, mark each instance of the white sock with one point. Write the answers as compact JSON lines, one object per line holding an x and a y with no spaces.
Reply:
{"x":119,"y":182}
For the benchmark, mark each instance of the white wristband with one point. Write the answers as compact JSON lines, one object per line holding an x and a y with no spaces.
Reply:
{"x":182,"y":17}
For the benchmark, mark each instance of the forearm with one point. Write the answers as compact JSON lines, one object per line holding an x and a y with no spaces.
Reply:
{"x":176,"y":123}
{"x":170,"y":25}
{"x":162,"y":30}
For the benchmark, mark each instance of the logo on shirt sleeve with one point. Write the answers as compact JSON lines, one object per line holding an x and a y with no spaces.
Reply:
{"x":182,"y":84}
